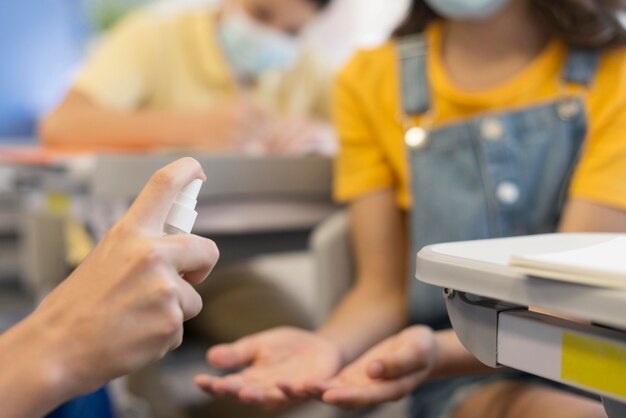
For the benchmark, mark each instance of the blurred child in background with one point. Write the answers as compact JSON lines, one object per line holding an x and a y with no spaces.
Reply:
{"x":231,"y":78}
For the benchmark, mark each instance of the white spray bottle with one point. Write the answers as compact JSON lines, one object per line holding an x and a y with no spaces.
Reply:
{"x":183,"y":213}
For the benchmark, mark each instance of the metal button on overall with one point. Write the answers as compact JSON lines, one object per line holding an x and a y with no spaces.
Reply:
{"x":508,"y":192}
{"x":568,"y":110}
{"x":416,"y":137}
{"x":491,"y":129}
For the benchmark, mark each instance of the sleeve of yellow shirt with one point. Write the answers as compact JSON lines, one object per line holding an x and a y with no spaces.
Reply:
{"x":361,"y":166}
{"x":601,"y":173}
{"x":118,"y":73}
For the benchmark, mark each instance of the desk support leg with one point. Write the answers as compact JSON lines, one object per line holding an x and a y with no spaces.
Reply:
{"x":613,"y":408}
{"x":475,"y":321}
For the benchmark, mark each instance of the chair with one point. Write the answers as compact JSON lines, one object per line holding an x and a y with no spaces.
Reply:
{"x":333,"y":261}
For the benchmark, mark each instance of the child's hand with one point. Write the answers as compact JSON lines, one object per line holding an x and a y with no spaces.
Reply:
{"x":298,"y":136}
{"x":236,"y":126}
{"x":387,"y":372}
{"x":281,"y":356}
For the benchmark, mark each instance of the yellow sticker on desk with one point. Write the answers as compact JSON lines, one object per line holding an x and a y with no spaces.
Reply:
{"x":594,"y":363}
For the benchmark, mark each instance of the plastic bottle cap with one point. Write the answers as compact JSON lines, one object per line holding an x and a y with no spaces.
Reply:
{"x":183,"y":213}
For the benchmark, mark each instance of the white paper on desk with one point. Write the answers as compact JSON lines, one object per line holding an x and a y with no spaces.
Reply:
{"x":600,"y":265}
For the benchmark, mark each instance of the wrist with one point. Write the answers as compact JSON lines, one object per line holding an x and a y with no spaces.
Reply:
{"x":37,"y":378}
{"x":438,"y":356}
{"x":54,"y":361}
{"x":435,"y":353}
{"x":174,"y":129}
{"x":341,"y":353}
{"x":209,"y":130}
{"x":452,"y":358}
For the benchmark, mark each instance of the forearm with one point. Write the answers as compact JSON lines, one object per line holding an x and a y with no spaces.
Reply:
{"x":95,"y":127}
{"x":366,"y":316}
{"x":586,"y":216}
{"x":32,"y":379}
{"x":452,"y":358}
{"x":376,"y":307}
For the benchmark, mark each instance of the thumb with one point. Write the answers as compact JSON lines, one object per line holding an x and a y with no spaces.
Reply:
{"x":232,"y":356}
{"x":410,"y":355}
{"x":153,"y":203}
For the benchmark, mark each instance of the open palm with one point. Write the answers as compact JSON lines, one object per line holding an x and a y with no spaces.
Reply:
{"x":387,"y":372}
{"x":283,"y":355}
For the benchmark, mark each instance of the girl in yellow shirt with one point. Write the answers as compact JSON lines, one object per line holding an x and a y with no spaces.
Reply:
{"x":481,"y":118}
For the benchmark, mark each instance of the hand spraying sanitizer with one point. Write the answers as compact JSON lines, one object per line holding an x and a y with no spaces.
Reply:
{"x":183,"y":213}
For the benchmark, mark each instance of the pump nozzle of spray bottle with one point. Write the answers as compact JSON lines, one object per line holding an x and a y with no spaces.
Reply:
{"x":183,"y":213}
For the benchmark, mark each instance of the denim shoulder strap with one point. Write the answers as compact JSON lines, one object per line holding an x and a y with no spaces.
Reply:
{"x":581,"y":66}
{"x":414,"y":88}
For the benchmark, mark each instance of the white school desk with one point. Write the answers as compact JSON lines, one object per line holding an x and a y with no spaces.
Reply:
{"x":488,"y":306}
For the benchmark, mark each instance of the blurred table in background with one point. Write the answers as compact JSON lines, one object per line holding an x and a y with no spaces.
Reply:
{"x":249,"y":205}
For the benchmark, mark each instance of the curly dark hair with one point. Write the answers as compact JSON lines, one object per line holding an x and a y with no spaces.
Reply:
{"x":581,"y":23}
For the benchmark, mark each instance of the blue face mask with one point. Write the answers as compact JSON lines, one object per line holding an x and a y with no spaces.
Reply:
{"x":466,"y":9}
{"x":252,"y":49}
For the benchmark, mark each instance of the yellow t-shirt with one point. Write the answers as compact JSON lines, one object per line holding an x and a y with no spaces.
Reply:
{"x":367,"y":113}
{"x":157,"y":59}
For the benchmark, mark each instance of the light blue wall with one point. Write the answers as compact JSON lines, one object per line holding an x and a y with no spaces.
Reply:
{"x":41,"y":44}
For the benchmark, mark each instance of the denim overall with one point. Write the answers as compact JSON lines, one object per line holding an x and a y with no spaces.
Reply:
{"x":496,"y":174}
